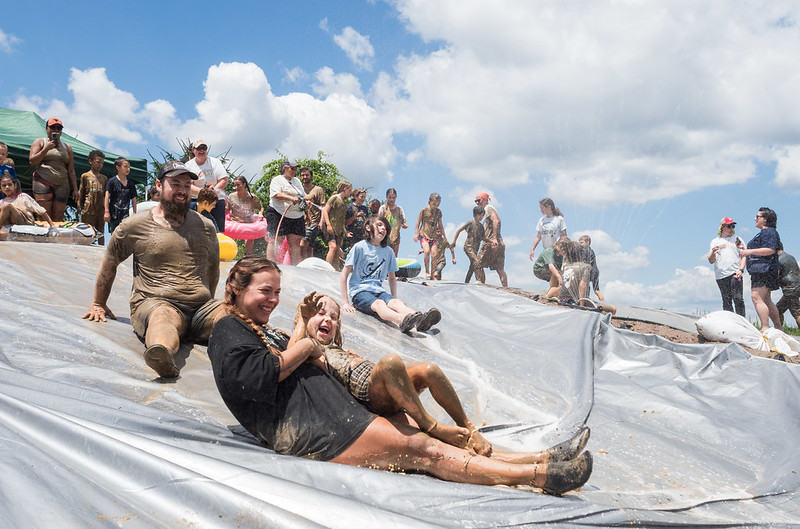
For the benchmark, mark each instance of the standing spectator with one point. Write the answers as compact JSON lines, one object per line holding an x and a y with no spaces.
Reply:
{"x":550,"y":227}
{"x":474,"y":230}
{"x":728,"y":265}
{"x":244,"y":207}
{"x":92,"y":195}
{"x":395,"y":217}
{"x":315,"y":198}
{"x":591,"y":259}
{"x":429,"y":224}
{"x":790,"y":285}
{"x":55,"y":171}
{"x":493,"y":250}
{"x":763,"y":267}
{"x":356,"y":216}
{"x":210,"y":172}
{"x":286,"y":207}
{"x":332,"y":223}
{"x":120,"y":195}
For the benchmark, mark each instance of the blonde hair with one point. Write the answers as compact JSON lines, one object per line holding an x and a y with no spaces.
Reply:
{"x":301,"y":330}
{"x":341,"y":186}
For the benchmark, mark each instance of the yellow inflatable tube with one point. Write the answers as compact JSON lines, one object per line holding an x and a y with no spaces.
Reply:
{"x":227,"y":247}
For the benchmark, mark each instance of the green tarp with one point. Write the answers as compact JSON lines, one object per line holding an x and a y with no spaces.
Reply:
{"x":19,"y":129}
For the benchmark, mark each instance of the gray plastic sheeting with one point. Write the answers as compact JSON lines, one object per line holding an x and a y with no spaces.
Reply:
{"x":701,"y":435}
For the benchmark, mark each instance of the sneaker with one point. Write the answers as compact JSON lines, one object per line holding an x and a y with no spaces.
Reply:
{"x":410,"y":321}
{"x":161,"y":361}
{"x":431,"y":318}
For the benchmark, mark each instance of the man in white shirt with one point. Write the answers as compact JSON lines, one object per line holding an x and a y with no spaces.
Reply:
{"x":210,"y":172}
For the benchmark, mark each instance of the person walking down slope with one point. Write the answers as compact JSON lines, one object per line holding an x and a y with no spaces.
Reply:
{"x":729,"y":264}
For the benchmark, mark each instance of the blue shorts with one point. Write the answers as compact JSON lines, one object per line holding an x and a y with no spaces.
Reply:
{"x":363,"y":300}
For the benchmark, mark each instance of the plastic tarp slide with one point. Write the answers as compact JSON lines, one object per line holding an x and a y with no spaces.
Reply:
{"x":696,"y":436}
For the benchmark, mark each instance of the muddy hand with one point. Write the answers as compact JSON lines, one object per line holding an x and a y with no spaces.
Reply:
{"x":310,"y":305}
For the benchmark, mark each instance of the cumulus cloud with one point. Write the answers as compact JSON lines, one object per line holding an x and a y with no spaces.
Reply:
{"x":329,"y":83}
{"x":787,"y":169}
{"x":357,"y":47}
{"x":7,"y":41}
{"x":617,"y":102}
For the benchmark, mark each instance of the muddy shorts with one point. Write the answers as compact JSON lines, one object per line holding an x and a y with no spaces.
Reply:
{"x":492,"y":258}
{"x":197,"y":321}
{"x":312,"y":231}
{"x":359,"y":381}
{"x":43,"y":187}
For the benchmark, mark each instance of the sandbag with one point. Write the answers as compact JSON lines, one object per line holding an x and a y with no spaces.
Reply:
{"x":724,"y":326}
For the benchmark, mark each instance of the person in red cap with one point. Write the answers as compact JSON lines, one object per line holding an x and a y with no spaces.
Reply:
{"x":493,"y":250}
{"x":54,"y":171}
{"x":729,"y":264}
{"x":176,"y":262}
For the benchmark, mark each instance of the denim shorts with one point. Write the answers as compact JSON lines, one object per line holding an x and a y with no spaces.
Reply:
{"x":363,"y":300}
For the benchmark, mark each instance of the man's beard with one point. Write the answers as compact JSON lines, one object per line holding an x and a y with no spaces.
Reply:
{"x":174,"y":211}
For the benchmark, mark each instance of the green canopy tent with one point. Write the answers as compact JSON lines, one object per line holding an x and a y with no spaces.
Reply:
{"x":20,"y":128}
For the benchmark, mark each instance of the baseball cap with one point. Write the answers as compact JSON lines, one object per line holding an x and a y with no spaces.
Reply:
{"x":727,"y":220}
{"x":290,"y":163}
{"x":174,"y":168}
{"x":54,"y":121}
{"x":198,"y":142}
{"x":481,"y":196}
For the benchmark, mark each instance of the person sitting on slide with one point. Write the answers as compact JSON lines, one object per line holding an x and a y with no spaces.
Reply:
{"x":281,"y":396}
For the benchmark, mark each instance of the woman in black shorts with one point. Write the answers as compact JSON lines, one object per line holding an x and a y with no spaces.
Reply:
{"x":763,"y":267}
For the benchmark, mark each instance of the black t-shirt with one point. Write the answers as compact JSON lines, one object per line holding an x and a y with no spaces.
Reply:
{"x":120,"y":196}
{"x":308,"y":414}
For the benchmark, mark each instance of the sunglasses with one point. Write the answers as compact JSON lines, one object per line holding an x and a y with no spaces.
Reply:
{"x":56,"y":127}
{"x":201,"y":148}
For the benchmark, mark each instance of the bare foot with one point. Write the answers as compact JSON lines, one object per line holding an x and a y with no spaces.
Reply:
{"x":452,"y":435}
{"x":479,"y":444}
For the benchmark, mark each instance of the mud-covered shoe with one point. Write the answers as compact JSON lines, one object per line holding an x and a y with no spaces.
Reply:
{"x":570,"y":449}
{"x":161,"y":361}
{"x":431,"y":318}
{"x":565,"y":476}
{"x":410,"y":321}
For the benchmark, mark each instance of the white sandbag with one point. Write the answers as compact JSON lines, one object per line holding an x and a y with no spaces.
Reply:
{"x":782,"y":342}
{"x":724,"y":326}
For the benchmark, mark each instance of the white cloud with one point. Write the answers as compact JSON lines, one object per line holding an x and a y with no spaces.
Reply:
{"x":356,"y":46}
{"x":7,"y":41}
{"x":600,"y":102}
{"x":787,"y":170}
{"x":329,"y":83}
{"x":295,"y":75}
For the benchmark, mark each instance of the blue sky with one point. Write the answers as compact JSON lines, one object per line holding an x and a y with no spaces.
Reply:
{"x":646,"y":123}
